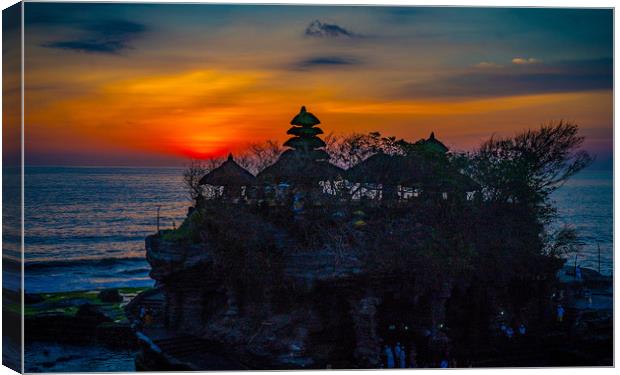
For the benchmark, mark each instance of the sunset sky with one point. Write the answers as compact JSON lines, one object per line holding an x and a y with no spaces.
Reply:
{"x":140,"y":84}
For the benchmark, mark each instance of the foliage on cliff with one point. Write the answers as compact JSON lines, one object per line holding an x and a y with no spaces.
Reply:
{"x":244,"y":248}
{"x":496,"y":237}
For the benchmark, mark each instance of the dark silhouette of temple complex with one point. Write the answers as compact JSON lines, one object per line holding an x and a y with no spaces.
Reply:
{"x":304,"y":167}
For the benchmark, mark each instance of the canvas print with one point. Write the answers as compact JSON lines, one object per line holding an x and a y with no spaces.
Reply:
{"x":235,"y":187}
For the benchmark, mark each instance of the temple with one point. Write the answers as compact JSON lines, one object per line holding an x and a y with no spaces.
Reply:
{"x":304,"y":172}
{"x":310,"y":265}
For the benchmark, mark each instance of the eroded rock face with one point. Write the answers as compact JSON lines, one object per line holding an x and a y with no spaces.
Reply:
{"x":325,"y":311}
{"x":367,"y":348}
{"x":292,"y":329}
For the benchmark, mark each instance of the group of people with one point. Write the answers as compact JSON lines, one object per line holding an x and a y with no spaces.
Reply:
{"x":397,"y":357}
{"x":509,"y":332}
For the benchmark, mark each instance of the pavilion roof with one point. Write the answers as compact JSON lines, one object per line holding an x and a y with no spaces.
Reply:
{"x":382,"y":168}
{"x":293,"y":166}
{"x":228,"y":174}
{"x":304,"y":118}
{"x":411,"y":170}
{"x":432,"y":144}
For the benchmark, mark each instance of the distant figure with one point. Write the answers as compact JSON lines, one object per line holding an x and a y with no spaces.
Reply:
{"x":578,"y":273}
{"x":503,"y":327}
{"x":298,"y":202}
{"x":560,"y":314}
{"x":509,"y":332}
{"x":587,"y":293}
{"x":142,"y":312}
{"x":389,"y":357}
{"x":397,"y":350}
{"x":402,"y":359}
{"x":522,"y":329}
{"x":148,"y":317}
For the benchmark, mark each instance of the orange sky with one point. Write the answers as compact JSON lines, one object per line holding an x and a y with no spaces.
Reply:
{"x":170,"y":90}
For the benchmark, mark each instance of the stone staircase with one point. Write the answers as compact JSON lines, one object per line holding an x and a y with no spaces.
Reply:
{"x":195,"y":353}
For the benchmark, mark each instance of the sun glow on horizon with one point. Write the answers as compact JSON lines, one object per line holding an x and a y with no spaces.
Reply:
{"x":187,"y":94}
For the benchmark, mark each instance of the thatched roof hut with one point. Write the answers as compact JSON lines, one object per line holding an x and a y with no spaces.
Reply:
{"x":431,"y":173}
{"x":228,"y":174}
{"x":453,"y":180}
{"x":382,"y":168}
{"x":432,"y":144}
{"x":294,"y":167}
{"x":439,"y":174}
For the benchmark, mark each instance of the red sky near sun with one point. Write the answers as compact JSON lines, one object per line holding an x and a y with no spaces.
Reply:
{"x":131,"y":85}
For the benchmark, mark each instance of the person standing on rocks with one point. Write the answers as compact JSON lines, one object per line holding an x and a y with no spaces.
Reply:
{"x":148,"y":317}
{"x":402,"y":358}
{"x":560,"y":314}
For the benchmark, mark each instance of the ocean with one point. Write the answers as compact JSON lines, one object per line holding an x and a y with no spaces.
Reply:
{"x":85,"y":227}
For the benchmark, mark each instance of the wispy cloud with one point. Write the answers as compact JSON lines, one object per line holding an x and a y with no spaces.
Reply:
{"x":319,"y":29}
{"x":565,"y":76}
{"x":487,"y":65}
{"x":110,"y":36}
{"x":325,"y":61}
{"x":525,"y":61}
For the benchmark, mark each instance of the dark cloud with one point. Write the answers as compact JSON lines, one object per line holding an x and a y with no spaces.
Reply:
{"x":115,"y":28}
{"x":108,"y":36}
{"x":93,"y":46}
{"x":568,"y":76}
{"x":324,"y":61}
{"x":319,"y":29}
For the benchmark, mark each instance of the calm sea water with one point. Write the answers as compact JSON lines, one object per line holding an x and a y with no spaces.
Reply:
{"x":85,"y":227}
{"x":586,"y":204}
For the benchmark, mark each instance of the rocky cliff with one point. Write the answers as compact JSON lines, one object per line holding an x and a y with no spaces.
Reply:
{"x":262,"y":293}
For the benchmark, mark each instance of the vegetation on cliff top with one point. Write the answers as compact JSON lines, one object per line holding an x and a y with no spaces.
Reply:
{"x":497,"y":234}
{"x":468,"y":246}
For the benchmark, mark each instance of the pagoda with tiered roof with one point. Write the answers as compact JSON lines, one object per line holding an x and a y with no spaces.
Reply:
{"x":305,"y":161}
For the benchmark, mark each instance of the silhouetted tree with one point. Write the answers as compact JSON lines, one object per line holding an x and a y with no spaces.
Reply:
{"x":192,"y":175}
{"x":348,"y":150}
{"x":527,"y":168}
{"x":260,"y":155}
